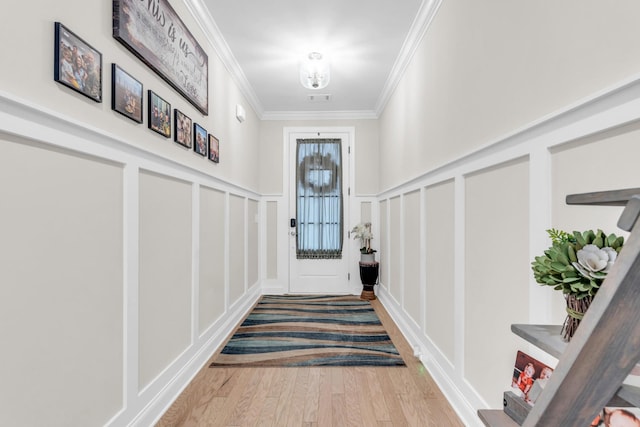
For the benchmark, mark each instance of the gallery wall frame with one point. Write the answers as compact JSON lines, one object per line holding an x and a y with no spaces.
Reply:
{"x":159,"y":114}
{"x":214,"y":149}
{"x":126,"y":94}
{"x":154,"y":32}
{"x":184,"y":126}
{"x":77,"y":64}
{"x":199,"y":139}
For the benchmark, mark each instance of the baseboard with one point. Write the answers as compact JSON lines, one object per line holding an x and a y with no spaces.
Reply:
{"x":447,"y":384}
{"x":160,"y":403}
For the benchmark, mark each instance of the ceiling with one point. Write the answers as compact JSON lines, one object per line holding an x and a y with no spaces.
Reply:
{"x":368,"y":43}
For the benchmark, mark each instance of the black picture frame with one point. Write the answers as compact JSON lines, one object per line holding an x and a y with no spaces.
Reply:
{"x":154,"y":33}
{"x":199,"y":139}
{"x":214,"y":149}
{"x":183,"y":128}
{"x":126,"y":94}
{"x":85,"y":76}
{"x":159,"y":114}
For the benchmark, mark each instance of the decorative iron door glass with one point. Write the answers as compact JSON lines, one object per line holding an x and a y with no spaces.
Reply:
{"x":319,"y":204}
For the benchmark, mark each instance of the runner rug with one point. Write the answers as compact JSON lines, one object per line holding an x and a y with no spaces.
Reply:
{"x":310,"y":330}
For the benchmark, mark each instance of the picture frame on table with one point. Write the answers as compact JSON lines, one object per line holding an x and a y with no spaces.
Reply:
{"x":529,"y":377}
{"x":159,"y":112}
{"x":214,"y":149}
{"x":77,"y":64}
{"x":199,"y":139}
{"x":183,"y":128}
{"x":126,"y":94}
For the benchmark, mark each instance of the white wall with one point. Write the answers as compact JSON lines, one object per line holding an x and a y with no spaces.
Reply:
{"x":121,"y":273}
{"x":485,"y":69}
{"x":504,"y":110}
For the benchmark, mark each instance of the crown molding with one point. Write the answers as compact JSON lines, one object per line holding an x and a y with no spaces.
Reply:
{"x":211,"y":31}
{"x":424,"y":17}
{"x":421,"y":23}
{"x":319,"y":115}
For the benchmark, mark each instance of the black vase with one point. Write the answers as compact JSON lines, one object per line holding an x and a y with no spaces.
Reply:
{"x":368,"y":277}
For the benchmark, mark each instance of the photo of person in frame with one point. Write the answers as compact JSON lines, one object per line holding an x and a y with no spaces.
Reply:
{"x":619,"y":417}
{"x":200,"y":143}
{"x":529,"y":377}
{"x":78,"y":65}
{"x":214,"y":149}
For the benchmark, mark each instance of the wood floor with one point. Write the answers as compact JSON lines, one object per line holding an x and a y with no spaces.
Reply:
{"x":310,"y":397}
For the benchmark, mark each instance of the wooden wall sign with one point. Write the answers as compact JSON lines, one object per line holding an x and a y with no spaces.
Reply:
{"x":153,"y":32}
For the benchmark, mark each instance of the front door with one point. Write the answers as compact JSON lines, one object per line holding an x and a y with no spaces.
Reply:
{"x":318,"y":208}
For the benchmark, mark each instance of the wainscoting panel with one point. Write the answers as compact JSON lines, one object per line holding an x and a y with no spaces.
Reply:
{"x":271,"y":243}
{"x":439,"y":266}
{"x":496,"y":272}
{"x":115,"y":273}
{"x":253,"y":265}
{"x":395,"y":252}
{"x":61,"y":292}
{"x":486,"y":214}
{"x":412,"y":259}
{"x":385,"y":260}
{"x":165,"y":272}
{"x":237,"y":232}
{"x":212,"y":257}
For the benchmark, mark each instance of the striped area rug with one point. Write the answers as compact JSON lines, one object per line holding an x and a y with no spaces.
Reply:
{"x":310,"y":330}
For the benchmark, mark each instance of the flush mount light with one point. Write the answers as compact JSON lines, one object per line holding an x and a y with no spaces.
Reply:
{"x":315,"y":72}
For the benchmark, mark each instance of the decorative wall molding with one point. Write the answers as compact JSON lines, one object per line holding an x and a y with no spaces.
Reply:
{"x":34,"y":125}
{"x":24,"y":119}
{"x":425,"y":15}
{"x":611,"y":107}
{"x":211,"y":31}
{"x":191,"y":363}
{"x":607,"y":110}
{"x":319,"y":115}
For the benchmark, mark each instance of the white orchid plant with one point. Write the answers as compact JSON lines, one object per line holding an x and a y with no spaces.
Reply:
{"x":577,"y":263}
{"x":363,"y":232}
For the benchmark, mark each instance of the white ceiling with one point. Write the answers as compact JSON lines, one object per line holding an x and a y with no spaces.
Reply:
{"x":368,"y":43}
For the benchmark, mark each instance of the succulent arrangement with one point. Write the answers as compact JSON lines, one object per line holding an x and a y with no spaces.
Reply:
{"x":576,"y":264}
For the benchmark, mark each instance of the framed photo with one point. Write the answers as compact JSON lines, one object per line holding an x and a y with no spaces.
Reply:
{"x":76,"y":64}
{"x":154,"y":32}
{"x":214,"y":149}
{"x":184,"y":126}
{"x":199,"y":139}
{"x":126,"y":94}
{"x":159,"y":114}
{"x":617,"y":416}
{"x":529,"y":377}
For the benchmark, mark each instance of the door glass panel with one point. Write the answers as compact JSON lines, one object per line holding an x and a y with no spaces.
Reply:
{"x":319,"y":209}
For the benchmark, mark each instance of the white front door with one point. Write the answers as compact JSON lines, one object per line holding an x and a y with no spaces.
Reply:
{"x":327,"y":229}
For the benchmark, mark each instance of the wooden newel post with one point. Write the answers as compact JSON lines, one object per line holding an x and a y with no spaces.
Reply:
{"x":368,"y":277}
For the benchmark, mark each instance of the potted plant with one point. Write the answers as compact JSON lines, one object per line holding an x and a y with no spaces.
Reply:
{"x":363,"y":232}
{"x":576,"y":264}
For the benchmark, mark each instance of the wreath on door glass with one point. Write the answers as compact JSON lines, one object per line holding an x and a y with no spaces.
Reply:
{"x":318,"y":173}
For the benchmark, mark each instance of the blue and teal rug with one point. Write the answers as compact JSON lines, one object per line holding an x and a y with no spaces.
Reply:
{"x":310,"y":330}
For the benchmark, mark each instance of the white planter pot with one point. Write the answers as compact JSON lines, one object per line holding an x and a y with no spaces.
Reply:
{"x":368,"y":257}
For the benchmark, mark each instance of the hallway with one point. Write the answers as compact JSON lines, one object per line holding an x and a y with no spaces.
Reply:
{"x":320,"y":396}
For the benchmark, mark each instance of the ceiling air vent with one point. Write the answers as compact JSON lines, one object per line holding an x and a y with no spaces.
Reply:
{"x":325,"y":97}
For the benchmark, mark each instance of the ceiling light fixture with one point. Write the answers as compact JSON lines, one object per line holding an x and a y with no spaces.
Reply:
{"x":315,"y":72}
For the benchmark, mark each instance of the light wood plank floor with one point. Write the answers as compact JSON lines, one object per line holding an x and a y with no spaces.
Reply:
{"x":315,"y":397}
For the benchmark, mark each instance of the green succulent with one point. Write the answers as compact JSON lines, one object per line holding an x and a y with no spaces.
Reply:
{"x":560,"y":267}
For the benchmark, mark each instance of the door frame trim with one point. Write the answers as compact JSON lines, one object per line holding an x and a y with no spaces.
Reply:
{"x":283,"y":253}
